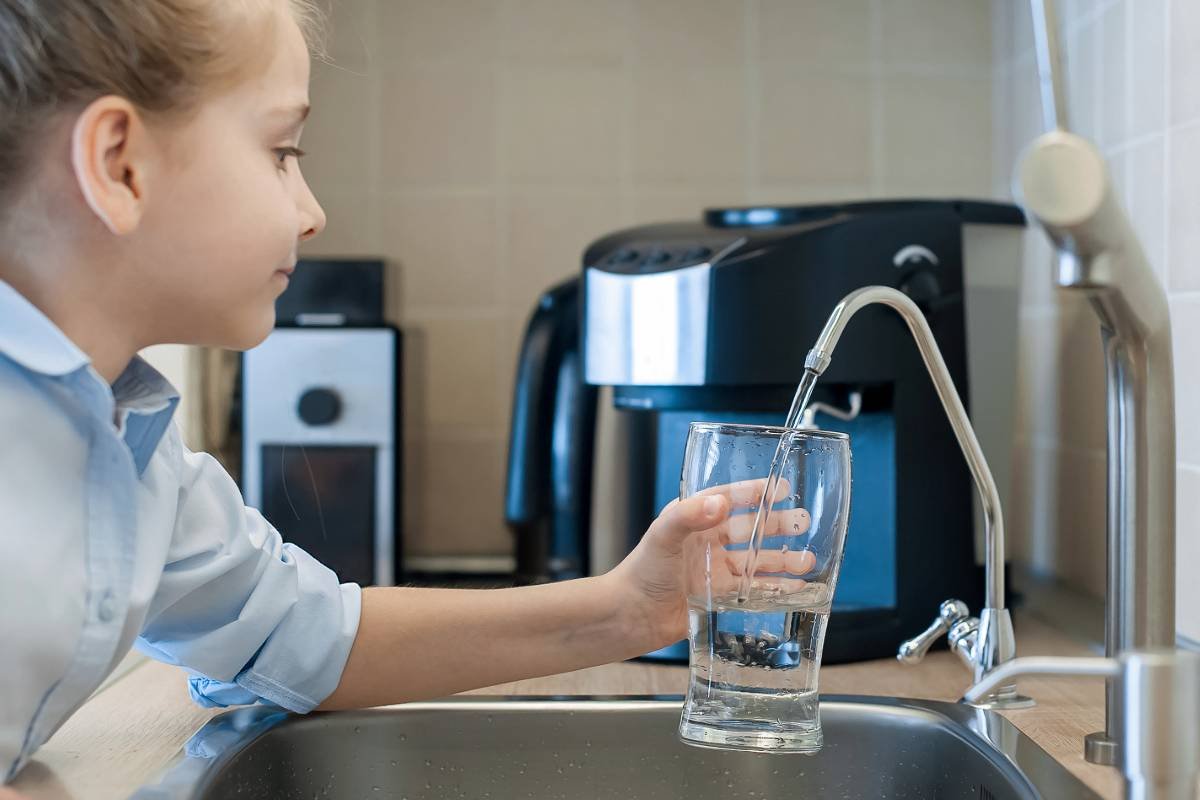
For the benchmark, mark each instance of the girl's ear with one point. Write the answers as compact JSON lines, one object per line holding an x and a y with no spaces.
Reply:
{"x":109,"y":159}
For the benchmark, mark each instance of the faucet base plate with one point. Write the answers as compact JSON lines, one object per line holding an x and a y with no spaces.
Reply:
{"x":1008,"y":703}
{"x":1099,"y":748}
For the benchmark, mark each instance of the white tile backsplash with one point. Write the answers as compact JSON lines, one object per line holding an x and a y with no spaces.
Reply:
{"x":1184,"y":49}
{"x":1133,"y":84}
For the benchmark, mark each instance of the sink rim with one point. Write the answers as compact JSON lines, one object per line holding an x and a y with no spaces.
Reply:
{"x":219,"y":741}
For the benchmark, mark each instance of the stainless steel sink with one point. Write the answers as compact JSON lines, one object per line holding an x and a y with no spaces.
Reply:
{"x":606,"y":748}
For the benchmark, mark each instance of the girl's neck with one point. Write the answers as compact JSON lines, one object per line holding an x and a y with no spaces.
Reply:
{"x":87,"y":314}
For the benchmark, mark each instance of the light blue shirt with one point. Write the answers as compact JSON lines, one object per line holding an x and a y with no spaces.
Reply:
{"x":112,"y":531}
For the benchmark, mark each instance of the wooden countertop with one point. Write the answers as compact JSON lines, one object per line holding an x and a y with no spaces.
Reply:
{"x":125,"y":735}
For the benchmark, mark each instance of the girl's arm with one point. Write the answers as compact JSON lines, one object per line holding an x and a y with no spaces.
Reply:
{"x":415,"y":644}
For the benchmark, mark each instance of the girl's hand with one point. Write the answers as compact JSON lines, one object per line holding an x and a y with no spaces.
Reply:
{"x":653,"y":577}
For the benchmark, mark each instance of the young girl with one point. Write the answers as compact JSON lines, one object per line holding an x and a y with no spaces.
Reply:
{"x":150,"y":192}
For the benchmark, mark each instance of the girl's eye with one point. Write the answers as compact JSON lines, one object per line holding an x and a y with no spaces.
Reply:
{"x":282,"y":153}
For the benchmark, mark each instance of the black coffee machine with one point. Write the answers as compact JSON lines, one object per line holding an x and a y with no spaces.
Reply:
{"x":712,"y":320}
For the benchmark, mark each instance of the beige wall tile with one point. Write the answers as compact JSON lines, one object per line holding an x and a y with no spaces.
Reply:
{"x":416,"y":380}
{"x":1185,"y":324}
{"x":813,"y":128}
{"x":566,"y":31}
{"x":438,"y":126}
{"x":547,"y":237}
{"x":938,"y":132}
{"x":508,"y":347}
{"x":689,"y":124}
{"x":460,"y":375}
{"x":801,"y":193}
{"x":339,"y":137}
{"x":1037,"y":377}
{"x":1081,"y":540}
{"x":413,"y":499}
{"x":1080,"y":376}
{"x":1187,"y":549}
{"x":1033,"y":505}
{"x":1183,"y":213}
{"x":490,"y":141}
{"x":1184,"y":48}
{"x":445,"y":249}
{"x":937,"y":33}
{"x":350,"y":34}
{"x":563,"y":125}
{"x":815,"y":32}
{"x":351,"y":225}
{"x":684,"y":33}
{"x":673,"y":204}
{"x":449,"y":31}
{"x":462,"y":509}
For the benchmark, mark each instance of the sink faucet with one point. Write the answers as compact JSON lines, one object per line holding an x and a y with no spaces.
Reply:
{"x":985,"y":642}
{"x":1065,"y":186}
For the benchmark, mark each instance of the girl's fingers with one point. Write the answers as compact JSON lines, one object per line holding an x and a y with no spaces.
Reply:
{"x":748,"y":494}
{"x":725,"y":583}
{"x":683,"y":517}
{"x":792,"y":562}
{"x":781,"y":522}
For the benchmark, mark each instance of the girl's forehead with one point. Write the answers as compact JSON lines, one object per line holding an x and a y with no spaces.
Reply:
{"x":278,"y":79}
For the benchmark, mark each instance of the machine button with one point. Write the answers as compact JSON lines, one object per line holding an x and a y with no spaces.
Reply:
{"x":657,"y":257}
{"x":922,"y":288}
{"x":697,"y":254}
{"x":623,"y":256}
{"x":319,"y":406}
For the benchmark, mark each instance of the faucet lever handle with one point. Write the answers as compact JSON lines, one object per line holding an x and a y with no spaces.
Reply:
{"x":950,"y":613}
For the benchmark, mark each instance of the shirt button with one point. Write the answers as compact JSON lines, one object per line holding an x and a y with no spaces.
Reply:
{"x":107,"y":608}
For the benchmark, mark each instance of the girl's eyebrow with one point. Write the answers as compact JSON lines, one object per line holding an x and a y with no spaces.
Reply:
{"x":292,"y":116}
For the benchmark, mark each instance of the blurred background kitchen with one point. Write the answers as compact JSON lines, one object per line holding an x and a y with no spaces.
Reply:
{"x":477,"y":147}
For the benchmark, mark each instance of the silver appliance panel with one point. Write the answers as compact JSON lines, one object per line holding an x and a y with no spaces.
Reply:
{"x":666,"y":313}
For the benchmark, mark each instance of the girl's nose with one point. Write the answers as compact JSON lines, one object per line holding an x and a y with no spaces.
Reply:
{"x":312,"y":216}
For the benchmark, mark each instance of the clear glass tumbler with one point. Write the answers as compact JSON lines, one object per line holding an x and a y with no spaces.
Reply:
{"x":754,"y":664}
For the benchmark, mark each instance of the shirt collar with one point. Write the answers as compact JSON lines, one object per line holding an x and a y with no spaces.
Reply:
{"x":29,"y":337}
{"x":144,"y":401}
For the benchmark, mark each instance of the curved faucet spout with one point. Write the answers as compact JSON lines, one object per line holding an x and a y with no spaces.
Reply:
{"x":819,"y":358}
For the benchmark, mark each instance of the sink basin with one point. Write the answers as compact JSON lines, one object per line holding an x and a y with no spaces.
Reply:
{"x":606,"y":748}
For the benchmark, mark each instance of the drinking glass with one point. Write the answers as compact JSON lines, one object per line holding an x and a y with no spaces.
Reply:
{"x":754,"y":660}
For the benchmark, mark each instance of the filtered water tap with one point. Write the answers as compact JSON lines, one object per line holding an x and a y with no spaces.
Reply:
{"x":987,"y":641}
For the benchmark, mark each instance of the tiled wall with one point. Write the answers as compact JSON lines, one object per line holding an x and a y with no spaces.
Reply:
{"x":1134,"y":88}
{"x":479,"y":145}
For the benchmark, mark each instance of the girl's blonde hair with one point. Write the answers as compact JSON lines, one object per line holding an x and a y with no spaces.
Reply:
{"x":161,"y":55}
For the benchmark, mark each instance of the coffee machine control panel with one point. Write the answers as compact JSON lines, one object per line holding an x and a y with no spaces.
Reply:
{"x":642,"y":258}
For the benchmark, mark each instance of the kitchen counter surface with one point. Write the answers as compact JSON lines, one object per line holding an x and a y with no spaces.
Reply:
{"x":126,"y":734}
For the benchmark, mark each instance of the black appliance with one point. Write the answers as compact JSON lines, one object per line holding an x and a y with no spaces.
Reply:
{"x":321,"y":433}
{"x":711,"y":320}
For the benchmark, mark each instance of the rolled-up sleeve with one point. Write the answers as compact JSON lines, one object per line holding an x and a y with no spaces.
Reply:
{"x":251,"y":617}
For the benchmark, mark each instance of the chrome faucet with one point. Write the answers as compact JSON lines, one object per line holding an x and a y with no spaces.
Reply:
{"x":1065,"y":186}
{"x":985,"y":642}
{"x":1160,"y":698}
